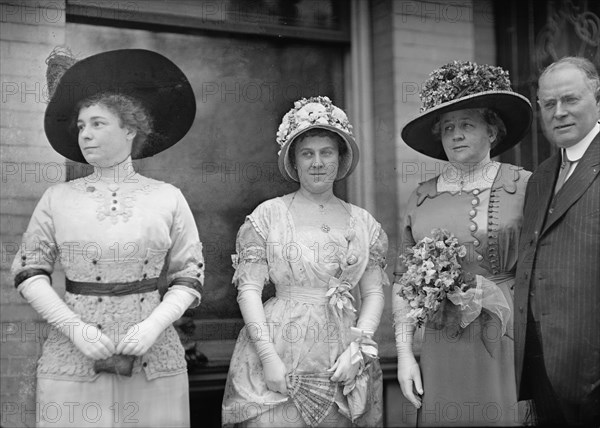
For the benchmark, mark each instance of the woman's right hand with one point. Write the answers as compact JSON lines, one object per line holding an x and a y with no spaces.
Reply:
{"x":275,"y":375}
{"x":90,"y":340}
{"x":409,"y":378}
{"x":86,"y":337}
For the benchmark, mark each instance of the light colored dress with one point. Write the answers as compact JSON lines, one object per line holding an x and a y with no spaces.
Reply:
{"x":463,"y":384}
{"x":308,"y":333}
{"x":104,"y":234}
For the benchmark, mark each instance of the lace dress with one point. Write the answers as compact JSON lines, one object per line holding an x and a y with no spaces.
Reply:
{"x":108,"y":234}
{"x":307,"y":331}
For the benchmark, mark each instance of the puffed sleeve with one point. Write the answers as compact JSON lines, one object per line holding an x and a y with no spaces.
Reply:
{"x":250,"y":260}
{"x":186,"y":262}
{"x":38,"y":250}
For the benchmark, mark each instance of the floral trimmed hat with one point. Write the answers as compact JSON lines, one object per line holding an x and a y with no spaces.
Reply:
{"x":461,"y":85}
{"x":311,"y":113}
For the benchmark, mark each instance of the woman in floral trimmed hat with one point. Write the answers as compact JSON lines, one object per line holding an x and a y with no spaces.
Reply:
{"x":465,"y":376}
{"x":306,"y":358}
{"x":113,"y":357}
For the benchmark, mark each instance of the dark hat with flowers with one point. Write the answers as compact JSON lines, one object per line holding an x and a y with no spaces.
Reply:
{"x":147,"y":76}
{"x":461,"y":85}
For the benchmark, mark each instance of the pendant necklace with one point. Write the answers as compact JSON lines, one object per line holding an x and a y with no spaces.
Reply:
{"x":324,"y":227}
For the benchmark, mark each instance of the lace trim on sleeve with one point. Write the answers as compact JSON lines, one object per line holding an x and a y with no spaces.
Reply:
{"x":250,"y":261}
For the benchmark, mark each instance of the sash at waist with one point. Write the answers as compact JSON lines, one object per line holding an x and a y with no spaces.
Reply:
{"x":311,"y":296}
{"x":111,"y":289}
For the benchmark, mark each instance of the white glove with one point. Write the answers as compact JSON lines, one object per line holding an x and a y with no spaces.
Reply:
{"x":372,"y":300}
{"x":86,"y":337}
{"x":344,"y":369}
{"x":257,"y":329}
{"x":141,"y":336}
{"x":409,"y":374}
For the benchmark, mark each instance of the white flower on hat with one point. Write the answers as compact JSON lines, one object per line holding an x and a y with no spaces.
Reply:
{"x":310,"y":112}
{"x":339,"y":115}
{"x":283,"y":128}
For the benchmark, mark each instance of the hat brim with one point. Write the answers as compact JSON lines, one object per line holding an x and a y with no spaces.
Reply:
{"x":149,"y":77}
{"x":514,"y":110}
{"x":347,"y":163}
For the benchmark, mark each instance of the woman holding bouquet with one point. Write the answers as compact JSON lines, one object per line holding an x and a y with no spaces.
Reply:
{"x":306,"y":358}
{"x":466,"y":372}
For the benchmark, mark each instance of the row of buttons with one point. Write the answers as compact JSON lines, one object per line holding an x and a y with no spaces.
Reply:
{"x":493,"y":207}
{"x":473,"y":227}
{"x":114,"y":201}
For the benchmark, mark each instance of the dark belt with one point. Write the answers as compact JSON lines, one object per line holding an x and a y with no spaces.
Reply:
{"x":112,"y":288}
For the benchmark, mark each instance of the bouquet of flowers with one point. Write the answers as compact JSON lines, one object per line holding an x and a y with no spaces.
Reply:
{"x":433,"y":274}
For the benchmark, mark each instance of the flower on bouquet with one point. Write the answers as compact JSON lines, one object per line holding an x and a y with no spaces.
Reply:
{"x":433,"y":273}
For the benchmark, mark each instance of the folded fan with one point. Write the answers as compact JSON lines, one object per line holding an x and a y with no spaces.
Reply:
{"x":313,"y":394}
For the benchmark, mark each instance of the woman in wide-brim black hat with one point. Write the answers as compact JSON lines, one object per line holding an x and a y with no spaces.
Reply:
{"x":112,"y":345}
{"x":469,"y":115}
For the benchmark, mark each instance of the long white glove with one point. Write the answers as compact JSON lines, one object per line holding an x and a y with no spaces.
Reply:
{"x":141,"y":336}
{"x":347,"y":365}
{"x":373,"y":300}
{"x":86,"y":337}
{"x":409,"y":374}
{"x":259,"y":333}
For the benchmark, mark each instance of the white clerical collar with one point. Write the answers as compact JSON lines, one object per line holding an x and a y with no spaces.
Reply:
{"x":575,"y":152}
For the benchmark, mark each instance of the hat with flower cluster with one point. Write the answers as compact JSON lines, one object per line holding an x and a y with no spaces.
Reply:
{"x":461,"y":85}
{"x":311,"y":113}
{"x":149,"y":77}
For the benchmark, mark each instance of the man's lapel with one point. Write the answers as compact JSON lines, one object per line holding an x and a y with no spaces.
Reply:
{"x":582,"y":177}
{"x":542,"y":191}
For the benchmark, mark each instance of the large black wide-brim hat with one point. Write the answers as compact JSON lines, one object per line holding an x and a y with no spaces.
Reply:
{"x":513,"y":108}
{"x":147,"y":76}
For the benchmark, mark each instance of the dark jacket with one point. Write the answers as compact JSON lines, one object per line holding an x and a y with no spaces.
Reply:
{"x":558,"y":273}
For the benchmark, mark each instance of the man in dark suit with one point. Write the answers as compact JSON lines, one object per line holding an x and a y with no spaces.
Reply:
{"x":557,"y":294}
